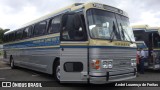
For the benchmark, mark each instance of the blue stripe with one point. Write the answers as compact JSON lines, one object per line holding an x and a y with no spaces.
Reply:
{"x":41,"y":48}
{"x":53,"y":41}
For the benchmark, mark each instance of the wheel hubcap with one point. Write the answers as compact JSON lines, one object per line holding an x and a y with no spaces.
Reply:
{"x":58,"y":72}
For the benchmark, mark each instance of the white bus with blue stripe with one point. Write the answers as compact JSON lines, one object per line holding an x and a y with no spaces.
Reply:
{"x":83,"y":43}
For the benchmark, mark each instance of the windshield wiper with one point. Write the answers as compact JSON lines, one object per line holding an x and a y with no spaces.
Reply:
{"x":125,"y":32}
{"x":112,"y":37}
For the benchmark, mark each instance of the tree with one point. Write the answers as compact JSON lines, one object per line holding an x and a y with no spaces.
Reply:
{"x":2,"y":31}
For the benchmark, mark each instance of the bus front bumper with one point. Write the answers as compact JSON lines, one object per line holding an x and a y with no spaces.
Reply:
{"x":112,"y":78}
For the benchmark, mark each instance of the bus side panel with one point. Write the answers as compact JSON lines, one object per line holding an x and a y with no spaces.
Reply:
{"x":6,"y":57}
{"x":37,"y":53}
{"x":36,"y":59}
{"x":70,"y":64}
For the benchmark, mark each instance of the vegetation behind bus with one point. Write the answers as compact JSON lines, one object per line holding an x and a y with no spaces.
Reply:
{"x":2,"y":31}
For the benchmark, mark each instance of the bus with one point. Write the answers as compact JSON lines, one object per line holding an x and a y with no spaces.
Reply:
{"x":83,"y":43}
{"x":151,"y":37}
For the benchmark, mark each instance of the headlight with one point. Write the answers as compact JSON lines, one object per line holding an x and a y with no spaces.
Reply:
{"x":107,"y":63}
{"x":133,"y":62}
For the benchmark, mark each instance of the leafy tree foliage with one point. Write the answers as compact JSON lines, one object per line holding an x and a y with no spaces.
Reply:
{"x":2,"y":31}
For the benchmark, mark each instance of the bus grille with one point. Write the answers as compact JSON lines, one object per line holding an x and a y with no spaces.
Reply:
{"x":121,"y":56}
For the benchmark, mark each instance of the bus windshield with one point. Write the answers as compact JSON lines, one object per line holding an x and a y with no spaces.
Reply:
{"x":141,"y":45}
{"x":108,"y":25}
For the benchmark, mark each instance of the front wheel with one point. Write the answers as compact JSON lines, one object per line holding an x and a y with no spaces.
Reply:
{"x":57,"y":71}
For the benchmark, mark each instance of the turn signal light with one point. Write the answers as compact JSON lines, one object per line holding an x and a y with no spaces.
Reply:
{"x":95,"y":64}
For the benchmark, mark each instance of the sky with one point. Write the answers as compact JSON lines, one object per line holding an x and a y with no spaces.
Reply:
{"x":14,"y":13}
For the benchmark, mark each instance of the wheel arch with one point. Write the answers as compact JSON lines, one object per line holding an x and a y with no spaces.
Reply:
{"x":57,"y":59}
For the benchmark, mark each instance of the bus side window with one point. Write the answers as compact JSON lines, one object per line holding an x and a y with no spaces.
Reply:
{"x":27,"y":32}
{"x":30,"y":31}
{"x":19,"y":34}
{"x":6,"y":38}
{"x":9,"y":35}
{"x":54,"y":26}
{"x":12,"y":36}
{"x":40,"y":28}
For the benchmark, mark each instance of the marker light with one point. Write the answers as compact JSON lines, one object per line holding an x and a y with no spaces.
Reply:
{"x":95,"y":64}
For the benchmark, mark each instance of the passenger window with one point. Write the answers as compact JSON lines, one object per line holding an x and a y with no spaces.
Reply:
{"x":40,"y":28}
{"x":54,"y":26}
{"x":12,"y":36}
{"x":7,"y":38}
{"x":27,"y":32}
{"x":30,"y":31}
{"x":19,"y":34}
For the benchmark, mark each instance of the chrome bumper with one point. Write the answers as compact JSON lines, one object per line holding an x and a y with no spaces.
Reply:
{"x":112,"y":78}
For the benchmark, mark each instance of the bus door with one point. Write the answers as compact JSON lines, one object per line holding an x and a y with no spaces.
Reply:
{"x":73,"y":49}
{"x":153,"y":51}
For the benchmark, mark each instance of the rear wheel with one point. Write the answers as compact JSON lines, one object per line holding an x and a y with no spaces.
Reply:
{"x":57,"y":71}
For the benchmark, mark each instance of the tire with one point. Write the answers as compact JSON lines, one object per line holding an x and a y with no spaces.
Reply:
{"x":57,"y":71}
{"x":12,"y":64}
